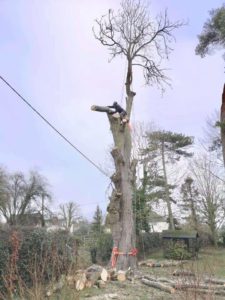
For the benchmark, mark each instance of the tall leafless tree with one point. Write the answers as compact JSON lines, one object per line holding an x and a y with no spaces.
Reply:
{"x":21,"y":195}
{"x":211,"y":202}
{"x":144,"y":43}
{"x":70,"y":213}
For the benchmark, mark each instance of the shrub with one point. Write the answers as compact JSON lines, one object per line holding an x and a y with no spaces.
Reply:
{"x":35,"y":256}
{"x":222,"y":237}
{"x":101,"y":249}
{"x":176,"y":250}
{"x":148,"y":243}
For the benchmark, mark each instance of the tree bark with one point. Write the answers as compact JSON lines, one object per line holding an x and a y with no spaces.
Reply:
{"x":123,"y":229}
{"x":120,"y":210}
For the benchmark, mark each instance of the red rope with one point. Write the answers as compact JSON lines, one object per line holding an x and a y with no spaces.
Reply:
{"x":116,"y":253}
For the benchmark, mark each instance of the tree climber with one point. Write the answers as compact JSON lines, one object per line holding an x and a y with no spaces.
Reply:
{"x":121,"y":111}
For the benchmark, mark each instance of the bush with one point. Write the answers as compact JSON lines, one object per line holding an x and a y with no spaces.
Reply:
{"x":101,"y":250}
{"x":29,"y":256}
{"x":205,"y":239}
{"x":176,"y":250}
{"x":148,"y":243}
{"x":222,"y":237}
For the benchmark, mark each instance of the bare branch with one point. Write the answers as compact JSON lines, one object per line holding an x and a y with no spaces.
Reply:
{"x":134,"y":34}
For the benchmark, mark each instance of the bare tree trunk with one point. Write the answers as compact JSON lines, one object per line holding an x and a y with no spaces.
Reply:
{"x":213,"y":230}
{"x":120,"y":210}
{"x":194,"y":216}
{"x":42,"y":210}
{"x":222,"y":124}
{"x":167,"y":198}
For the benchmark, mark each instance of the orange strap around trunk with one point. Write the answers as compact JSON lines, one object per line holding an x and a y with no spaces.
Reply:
{"x":116,"y":252}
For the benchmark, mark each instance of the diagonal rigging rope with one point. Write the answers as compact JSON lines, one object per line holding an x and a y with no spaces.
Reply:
{"x":53,"y":127}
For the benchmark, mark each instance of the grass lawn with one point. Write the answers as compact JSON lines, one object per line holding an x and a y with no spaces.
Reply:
{"x":210,"y":262}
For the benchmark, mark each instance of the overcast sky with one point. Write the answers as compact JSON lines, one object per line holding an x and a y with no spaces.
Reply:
{"x":48,"y":53}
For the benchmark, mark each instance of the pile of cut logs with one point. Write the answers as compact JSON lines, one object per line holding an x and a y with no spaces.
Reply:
{"x":92,"y":276}
{"x":205,"y":286}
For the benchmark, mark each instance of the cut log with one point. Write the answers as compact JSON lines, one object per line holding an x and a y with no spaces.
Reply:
{"x":183,"y":273}
{"x":144,"y":262}
{"x":94,"y":268}
{"x":81,"y":282}
{"x":104,"y":275}
{"x":70,"y":279}
{"x":155,"y":264}
{"x":111,"y":274}
{"x":149,"y":278}
{"x":215,"y":281}
{"x":88,"y":284}
{"x":158,"y":285}
{"x":121,"y":275}
{"x":159,"y":279}
{"x":101,"y":284}
{"x":93,"y":277}
{"x":96,"y":272}
{"x":166,"y":280}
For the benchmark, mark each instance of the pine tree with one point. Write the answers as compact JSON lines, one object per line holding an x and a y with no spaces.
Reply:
{"x":97,"y":224}
{"x":166,"y":147}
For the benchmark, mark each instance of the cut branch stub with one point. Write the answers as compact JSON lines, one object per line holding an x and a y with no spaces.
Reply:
{"x":117,"y":155}
{"x":116,"y":177}
{"x":105,"y":109}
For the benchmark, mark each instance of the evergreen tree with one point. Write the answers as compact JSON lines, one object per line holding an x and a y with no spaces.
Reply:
{"x":142,"y":206}
{"x":97,"y":224}
{"x":213,"y":33}
{"x":166,"y":147}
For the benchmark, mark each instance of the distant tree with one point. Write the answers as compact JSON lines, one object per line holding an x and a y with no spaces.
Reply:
{"x":3,"y":186}
{"x":212,"y":137}
{"x":190,"y":199}
{"x":70,"y":213}
{"x":142,"y":204}
{"x":213,"y":33}
{"x":167,"y":147}
{"x":97,"y":224}
{"x":21,"y":195}
{"x":144,"y":42}
{"x":84,"y":227}
{"x":211,"y":194}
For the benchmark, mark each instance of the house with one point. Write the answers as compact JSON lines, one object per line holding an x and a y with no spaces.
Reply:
{"x":55,"y":223}
{"x":157,"y":223}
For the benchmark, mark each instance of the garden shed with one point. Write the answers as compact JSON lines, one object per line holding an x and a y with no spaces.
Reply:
{"x":179,"y":244}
